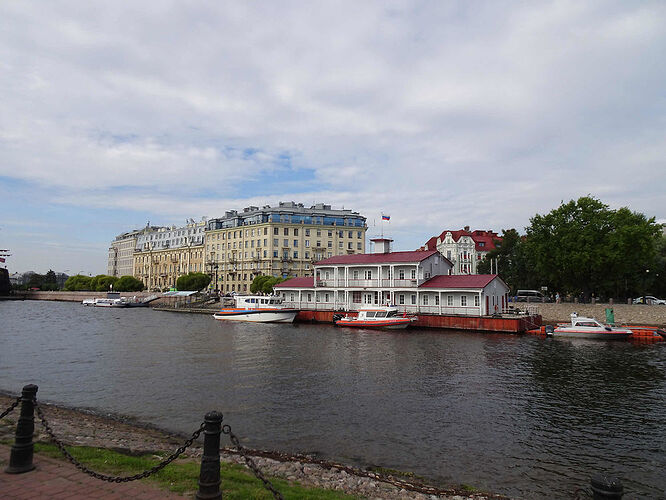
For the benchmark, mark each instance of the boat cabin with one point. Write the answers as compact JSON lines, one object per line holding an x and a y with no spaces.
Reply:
{"x":257,"y":302}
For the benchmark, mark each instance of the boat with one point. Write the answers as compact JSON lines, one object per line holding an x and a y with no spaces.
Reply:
{"x":105,"y":302}
{"x":257,"y":309}
{"x":382,"y":317}
{"x":587,"y":328}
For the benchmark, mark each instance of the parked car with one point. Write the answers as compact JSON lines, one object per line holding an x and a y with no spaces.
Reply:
{"x":530,"y":296}
{"x":650,"y":300}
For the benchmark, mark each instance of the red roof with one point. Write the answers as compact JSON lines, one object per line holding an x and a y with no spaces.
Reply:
{"x":307,"y":282}
{"x":459,"y":281}
{"x":378,"y":258}
{"x":486,"y":237}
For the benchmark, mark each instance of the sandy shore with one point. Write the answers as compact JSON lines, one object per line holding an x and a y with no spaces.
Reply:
{"x":86,"y":428}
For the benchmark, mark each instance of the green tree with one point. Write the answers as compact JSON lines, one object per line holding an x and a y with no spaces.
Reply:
{"x":267,"y":285}
{"x":512,"y":260}
{"x":585,"y":247}
{"x":193,"y":281}
{"x":78,"y":282}
{"x":128,"y":284}
{"x":258,"y":282}
{"x":50,"y":281}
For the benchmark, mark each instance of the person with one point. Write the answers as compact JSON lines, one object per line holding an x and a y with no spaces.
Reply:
{"x":557,"y":297}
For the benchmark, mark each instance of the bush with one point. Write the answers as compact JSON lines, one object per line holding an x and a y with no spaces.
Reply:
{"x":78,"y":282}
{"x":193,"y":282}
{"x":128,"y":284}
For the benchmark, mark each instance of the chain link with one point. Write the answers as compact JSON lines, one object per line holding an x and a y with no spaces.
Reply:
{"x":250,"y":463}
{"x":10,"y":408}
{"x":115,"y":479}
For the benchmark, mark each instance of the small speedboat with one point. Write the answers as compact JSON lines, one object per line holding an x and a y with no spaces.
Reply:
{"x":382,"y":317}
{"x":257,"y":309}
{"x":587,"y":328}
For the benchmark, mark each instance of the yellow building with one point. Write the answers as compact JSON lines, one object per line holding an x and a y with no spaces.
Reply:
{"x":164,"y":255}
{"x":281,"y":241}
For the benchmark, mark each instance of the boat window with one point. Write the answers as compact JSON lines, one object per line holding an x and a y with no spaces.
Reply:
{"x":370,"y":314}
{"x":390,"y":314}
{"x":263,"y":301}
{"x":586,"y":323}
{"x":380,"y":314}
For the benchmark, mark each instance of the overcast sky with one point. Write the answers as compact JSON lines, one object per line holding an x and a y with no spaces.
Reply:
{"x":441,"y":114}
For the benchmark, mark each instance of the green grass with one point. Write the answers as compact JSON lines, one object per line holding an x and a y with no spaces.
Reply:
{"x":181,"y":476}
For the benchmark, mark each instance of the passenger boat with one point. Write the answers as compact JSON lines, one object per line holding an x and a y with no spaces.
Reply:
{"x":383,"y":317}
{"x":105,"y":302}
{"x":257,"y":309}
{"x":587,"y":328}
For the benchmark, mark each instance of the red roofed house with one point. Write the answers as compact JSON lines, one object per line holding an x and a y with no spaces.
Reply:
{"x":464,"y":248}
{"x":417,"y":281}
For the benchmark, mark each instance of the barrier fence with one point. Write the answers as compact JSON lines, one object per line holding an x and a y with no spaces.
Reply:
{"x":21,"y":455}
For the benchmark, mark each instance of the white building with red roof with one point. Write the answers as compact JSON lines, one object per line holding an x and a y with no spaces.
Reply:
{"x":418,"y":281}
{"x":464,"y":248}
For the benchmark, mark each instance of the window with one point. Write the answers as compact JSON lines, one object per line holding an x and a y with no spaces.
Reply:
{"x":349,"y":245}
{"x":401,"y":299}
{"x":449,"y":300}
{"x":295,"y":243}
{"x":358,"y":234}
{"x":295,"y":254}
{"x":476,"y":301}
{"x":339,"y":244}
{"x":413,"y":274}
{"x":265,"y":231}
{"x":325,"y":297}
{"x":356,"y":297}
{"x":368,"y":274}
{"x":307,"y":255}
{"x":463,"y":300}
{"x":437,"y":299}
{"x":330,"y":234}
{"x":330,"y":244}
{"x":296,"y":231}
{"x":286,"y":242}
{"x":401,"y":274}
{"x":275,"y":242}
{"x":350,"y":234}
{"x":275,"y":253}
{"x":318,"y":244}
{"x":276,"y":231}
{"x":318,"y":232}
{"x":414,"y":299}
{"x":358,"y":246}
{"x":425,"y":300}
{"x":307,"y":232}
{"x":307,"y":243}
{"x":286,"y":231}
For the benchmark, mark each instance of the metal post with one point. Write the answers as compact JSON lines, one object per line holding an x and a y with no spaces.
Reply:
{"x":20,"y":459}
{"x":606,"y":488}
{"x":209,"y":475}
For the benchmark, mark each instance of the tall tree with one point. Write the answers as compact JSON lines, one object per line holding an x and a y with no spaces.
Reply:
{"x":512,"y":261}
{"x":584,"y":247}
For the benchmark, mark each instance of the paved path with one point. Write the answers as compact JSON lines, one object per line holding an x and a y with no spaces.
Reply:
{"x":60,"y":480}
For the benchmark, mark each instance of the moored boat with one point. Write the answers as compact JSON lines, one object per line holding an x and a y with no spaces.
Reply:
{"x":587,"y":328}
{"x":382,"y":317}
{"x":257,"y":309}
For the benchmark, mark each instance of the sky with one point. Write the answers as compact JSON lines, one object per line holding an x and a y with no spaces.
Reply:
{"x":441,"y":114}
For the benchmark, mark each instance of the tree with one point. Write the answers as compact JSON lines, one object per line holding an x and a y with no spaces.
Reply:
{"x":267,"y":286}
{"x":128,"y":284}
{"x":512,"y":261}
{"x":102,"y":282}
{"x":258,"y":282}
{"x":78,"y":282}
{"x":585,"y":247}
{"x":193,"y":281}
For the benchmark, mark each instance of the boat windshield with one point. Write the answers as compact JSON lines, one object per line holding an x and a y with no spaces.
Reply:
{"x":390,"y":314}
{"x":380,"y":314}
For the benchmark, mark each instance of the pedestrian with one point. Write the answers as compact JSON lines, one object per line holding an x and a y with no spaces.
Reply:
{"x":557,"y":297}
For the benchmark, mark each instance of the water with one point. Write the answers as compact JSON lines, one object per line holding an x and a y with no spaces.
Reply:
{"x":524,"y":416}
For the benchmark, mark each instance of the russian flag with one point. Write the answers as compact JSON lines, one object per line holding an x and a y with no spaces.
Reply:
{"x":386,"y":217}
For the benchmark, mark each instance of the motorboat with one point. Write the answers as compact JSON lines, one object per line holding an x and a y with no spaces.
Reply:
{"x":257,"y":309}
{"x":382,"y":317}
{"x":587,"y":328}
{"x":105,"y":302}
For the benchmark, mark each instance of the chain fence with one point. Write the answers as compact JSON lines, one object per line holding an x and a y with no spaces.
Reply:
{"x":250,"y":463}
{"x":114,"y":479}
{"x":10,"y":408}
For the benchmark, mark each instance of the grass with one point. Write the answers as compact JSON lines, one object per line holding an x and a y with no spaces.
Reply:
{"x":181,"y":476}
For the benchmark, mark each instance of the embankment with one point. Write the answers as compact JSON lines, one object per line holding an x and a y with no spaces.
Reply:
{"x":624,"y":313}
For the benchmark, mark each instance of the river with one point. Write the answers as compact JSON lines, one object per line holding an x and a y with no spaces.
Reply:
{"x":519,"y":415}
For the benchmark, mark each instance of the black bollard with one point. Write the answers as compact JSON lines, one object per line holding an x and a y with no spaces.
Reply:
{"x":606,"y":488}
{"x":209,"y":475}
{"x":20,"y":459}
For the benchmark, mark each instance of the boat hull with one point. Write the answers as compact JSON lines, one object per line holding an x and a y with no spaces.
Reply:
{"x":381,"y":325}
{"x":257,"y":316}
{"x":597,"y":335}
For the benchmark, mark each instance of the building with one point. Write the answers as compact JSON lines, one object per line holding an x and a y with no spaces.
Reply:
{"x":280,"y":241}
{"x":417,"y":281}
{"x":121,"y":251}
{"x":163,"y":255}
{"x":464,"y":248}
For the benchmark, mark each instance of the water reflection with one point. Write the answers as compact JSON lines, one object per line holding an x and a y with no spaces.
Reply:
{"x":519,"y":415}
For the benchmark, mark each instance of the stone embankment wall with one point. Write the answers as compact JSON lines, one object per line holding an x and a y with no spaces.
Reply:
{"x":624,"y":313}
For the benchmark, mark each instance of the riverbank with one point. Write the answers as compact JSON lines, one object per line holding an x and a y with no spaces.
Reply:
{"x":628,"y":314}
{"x":86,"y":428}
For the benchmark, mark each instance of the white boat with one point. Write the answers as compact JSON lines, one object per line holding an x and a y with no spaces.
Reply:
{"x":382,"y":317}
{"x":105,"y":302}
{"x":257,"y":309}
{"x":587,"y":328}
